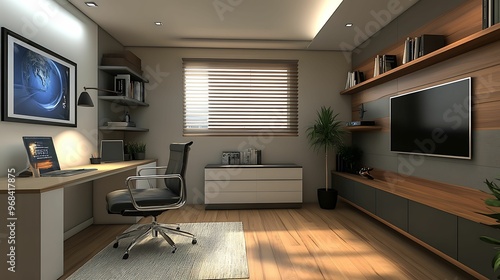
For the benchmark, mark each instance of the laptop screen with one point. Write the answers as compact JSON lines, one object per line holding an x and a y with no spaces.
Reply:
{"x":41,"y":153}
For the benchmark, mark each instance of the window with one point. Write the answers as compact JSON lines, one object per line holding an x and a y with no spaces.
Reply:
{"x":240,"y":97}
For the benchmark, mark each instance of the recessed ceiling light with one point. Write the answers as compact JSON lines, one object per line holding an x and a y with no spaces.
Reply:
{"x":348,"y":24}
{"x":91,"y":4}
{"x":158,"y":23}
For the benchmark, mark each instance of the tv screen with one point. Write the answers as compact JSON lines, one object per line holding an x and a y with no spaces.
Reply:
{"x":434,"y":121}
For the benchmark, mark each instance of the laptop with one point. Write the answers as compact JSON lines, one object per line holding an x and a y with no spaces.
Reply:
{"x":43,"y":158}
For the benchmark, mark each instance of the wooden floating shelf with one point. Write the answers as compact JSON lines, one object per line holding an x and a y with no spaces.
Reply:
{"x":469,"y":43}
{"x":122,"y":100}
{"x":124,"y":128}
{"x":115,"y":70}
{"x":363,"y":128}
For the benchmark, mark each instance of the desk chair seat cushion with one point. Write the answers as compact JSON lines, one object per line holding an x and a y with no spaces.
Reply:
{"x":120,"y":202}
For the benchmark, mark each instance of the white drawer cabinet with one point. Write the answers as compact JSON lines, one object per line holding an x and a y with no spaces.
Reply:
{"x":253,"y":186}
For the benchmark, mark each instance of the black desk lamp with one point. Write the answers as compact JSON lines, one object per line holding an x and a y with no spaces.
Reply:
{"x":86,"y":101}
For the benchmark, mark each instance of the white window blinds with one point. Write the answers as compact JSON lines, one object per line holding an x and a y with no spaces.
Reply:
{"x":240,"y":97}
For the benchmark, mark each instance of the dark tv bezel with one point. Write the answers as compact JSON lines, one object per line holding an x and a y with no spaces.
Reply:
{"x":469,"y":84}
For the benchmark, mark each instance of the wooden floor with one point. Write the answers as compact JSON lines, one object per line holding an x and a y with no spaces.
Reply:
{"x":306,"y":243}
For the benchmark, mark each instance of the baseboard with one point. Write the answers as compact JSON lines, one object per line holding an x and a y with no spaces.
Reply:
{"x":78,"y":228}
{"x":251,"y":206}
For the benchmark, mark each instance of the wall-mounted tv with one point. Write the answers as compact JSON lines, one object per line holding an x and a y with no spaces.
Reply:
{"x":434,"y":121}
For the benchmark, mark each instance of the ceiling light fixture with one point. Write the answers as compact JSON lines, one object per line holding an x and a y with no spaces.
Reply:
{"x":158,"y":23}
{"x":348,"y":24}
{"x":91,"y":4}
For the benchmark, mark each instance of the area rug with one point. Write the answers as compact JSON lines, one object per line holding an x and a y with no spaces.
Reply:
{"x":219,"y":254}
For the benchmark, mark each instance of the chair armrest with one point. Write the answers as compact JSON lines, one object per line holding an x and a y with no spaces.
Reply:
{"x":178,"y":204}
{"x":150,"y":168}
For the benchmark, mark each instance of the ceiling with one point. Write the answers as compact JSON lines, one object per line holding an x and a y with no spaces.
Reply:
{"x":254,"y":24}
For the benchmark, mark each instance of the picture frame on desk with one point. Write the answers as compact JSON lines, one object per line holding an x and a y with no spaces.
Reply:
{"x":38,"y":85}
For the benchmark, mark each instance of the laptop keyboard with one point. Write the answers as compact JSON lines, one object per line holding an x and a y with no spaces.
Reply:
{"x":66,"y":172}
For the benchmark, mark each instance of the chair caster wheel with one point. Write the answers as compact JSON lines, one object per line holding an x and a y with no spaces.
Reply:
{"x":178,"y":228}
{"x":173,"y":251}
{"x":125,"y":256}
{"x":115,"y":245}
{"x":194,"y":241}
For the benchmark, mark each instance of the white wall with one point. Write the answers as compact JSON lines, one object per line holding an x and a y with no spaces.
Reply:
{"x":322,"y":75}
{"x":63,"y":30}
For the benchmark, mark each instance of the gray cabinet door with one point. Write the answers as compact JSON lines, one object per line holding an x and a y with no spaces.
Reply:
{"x":473,"y":252}
{"x":357,"y":193}
{"x":434,"y":227}
{"x":393,"y":209}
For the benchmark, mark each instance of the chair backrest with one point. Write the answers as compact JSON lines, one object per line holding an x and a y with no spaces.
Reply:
{"x":177,"y":164}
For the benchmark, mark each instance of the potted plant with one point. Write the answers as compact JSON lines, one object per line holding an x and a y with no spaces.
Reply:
{"x":326,"y":134}
{"x":127,"y":154}
{"x":140,"y":151}
{"x":136,"y":150}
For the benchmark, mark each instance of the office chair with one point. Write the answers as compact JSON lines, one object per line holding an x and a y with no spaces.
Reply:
{"x":154,"y":200}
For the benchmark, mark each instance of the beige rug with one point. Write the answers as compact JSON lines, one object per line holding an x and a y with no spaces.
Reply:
{"x":219,"y":254}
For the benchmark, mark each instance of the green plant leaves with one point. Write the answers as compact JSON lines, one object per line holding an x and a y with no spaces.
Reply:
{"x":493,"y":188}
{"x":327,"y":132}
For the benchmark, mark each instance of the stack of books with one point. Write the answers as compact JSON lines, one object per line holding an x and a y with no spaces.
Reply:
{"x":384,"y":63}
{"x":354,"y":78}
{"x":129,"y":88}
{"x":422,"y":45}
{"x":491,"y":12}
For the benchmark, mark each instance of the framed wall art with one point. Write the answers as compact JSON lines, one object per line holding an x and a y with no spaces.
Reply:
{"x":38,"y":85}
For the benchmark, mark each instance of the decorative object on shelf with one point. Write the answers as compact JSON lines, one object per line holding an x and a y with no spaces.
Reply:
{"x":362,"y":111}
{"x":349,"y":159}
{"x":121,"y":124}
{"x":365,"y":172}
{"x":39,"y":85}
{"x":326,"y":133}
{"x":361,"y":123}
{"x":495,"y":202}
{"x":86,"y":101}
{"x":248,"y":156}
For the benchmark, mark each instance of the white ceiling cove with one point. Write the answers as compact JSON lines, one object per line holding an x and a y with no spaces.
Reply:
{"x":255,"y":24}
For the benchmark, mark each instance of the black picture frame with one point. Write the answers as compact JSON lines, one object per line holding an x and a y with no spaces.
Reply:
{"x":38,"y":85}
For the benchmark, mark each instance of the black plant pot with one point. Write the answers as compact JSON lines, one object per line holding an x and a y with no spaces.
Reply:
{"x":327,"y":199}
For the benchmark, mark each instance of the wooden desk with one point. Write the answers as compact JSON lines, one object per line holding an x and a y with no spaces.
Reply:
{"x":37,"y":223}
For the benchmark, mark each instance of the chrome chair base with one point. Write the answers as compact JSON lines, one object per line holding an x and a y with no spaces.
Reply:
{"x":154,"y":228}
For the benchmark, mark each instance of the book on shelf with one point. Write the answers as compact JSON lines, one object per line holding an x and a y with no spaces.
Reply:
{"x":139,"y":91}
{"x":491,"y":13}
{"x":354,"y":78}
{"x":421,"y":45}
{"x":122,"y":84}
{"x":389,"y":62}
{"x":129,"y":88}
{"x":384,"y":63}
